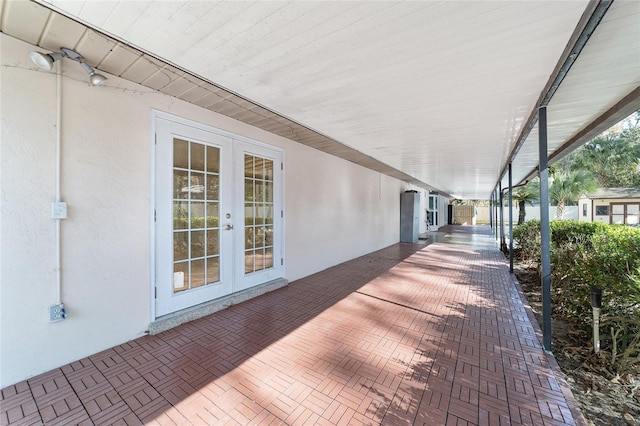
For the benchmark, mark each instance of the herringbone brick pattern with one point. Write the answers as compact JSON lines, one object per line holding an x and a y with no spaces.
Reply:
{"x":413,"y":334}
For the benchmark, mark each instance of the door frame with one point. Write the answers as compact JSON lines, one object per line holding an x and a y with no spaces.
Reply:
{"x":161,"y":115}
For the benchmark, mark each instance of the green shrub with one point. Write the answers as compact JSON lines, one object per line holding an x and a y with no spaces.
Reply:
{"x":616,"y":263}
{"x":594,"y":255}
{"x":526,"y":239}
{"x":570,"y":230}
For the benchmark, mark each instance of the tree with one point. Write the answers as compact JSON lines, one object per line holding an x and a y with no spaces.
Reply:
{"x":568,"y":185}
{"x":524,"y":195}
{"x":613,"y":157}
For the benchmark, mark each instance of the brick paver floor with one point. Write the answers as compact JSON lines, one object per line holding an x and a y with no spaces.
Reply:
{"x":412,"y":334}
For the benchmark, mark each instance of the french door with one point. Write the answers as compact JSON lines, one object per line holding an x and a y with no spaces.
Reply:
{"x":218,"y":214}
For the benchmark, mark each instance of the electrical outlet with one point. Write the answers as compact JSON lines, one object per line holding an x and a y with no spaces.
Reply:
{"x":57,"y":313}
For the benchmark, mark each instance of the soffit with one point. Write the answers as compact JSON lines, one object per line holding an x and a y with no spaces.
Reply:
{"x":430,"y":92}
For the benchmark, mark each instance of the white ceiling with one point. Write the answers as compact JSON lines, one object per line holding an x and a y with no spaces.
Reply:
{"x":437,"y":90}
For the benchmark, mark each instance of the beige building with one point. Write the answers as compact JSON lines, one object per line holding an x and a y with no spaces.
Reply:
{"x":611,"y":205}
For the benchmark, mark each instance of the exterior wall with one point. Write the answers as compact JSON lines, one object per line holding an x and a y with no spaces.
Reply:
{"x":334,"y":210}
{"x":593,"y":204}
{"x":585,"y":210}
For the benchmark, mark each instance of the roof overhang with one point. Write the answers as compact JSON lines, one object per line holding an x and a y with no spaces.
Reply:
{"x":443,"y":95}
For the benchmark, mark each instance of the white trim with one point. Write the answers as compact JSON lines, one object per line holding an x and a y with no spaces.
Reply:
{"x":152,"y":221}
{"x":202,"y":126}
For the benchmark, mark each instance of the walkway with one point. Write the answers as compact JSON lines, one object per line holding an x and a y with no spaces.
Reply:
{"x":412,"y":334}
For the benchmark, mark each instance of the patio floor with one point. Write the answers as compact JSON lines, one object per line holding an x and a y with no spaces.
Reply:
{"x":412,"y":334}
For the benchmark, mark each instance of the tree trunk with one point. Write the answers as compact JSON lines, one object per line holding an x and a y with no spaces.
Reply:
{"x":560,"y":211}
{"x":522,"y":213}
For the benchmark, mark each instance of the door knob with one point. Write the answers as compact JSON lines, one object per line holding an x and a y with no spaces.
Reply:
{"x":229,"y":227}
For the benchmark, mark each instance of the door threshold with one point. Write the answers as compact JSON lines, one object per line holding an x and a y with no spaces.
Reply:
{"x":174,"y":319}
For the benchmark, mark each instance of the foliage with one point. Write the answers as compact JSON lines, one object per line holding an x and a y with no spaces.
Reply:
{"x":475,"y":203}
{"x":587,"y":256}
{"x":612,"y":158}
{"x":621,"y":342}
{"x":527,"y":194}
{"x":182,"y":222}
{"x":564,"y":231}
{"x":526,"y":238}
{"x":567,"y":186}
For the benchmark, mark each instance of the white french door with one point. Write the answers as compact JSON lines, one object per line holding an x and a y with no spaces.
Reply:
{"x":218,"y":214}
{"x":258,"y":245}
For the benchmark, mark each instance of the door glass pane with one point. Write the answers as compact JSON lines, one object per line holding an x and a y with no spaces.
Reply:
{"x":196,"y":242}
{"x":180,"y":276}
{"x":248,"y":262}
{"x":633,"y":208}
{"x":617,"y":209}
{"x":197,"y":214}
{"x":268,"y":214}
{"x":213,"y":215}
{"x":248,"y":214}
{"x":268,"y":234}
{"x":213,"y":270}
{"x":248,"y":166}
{"x":180,"y":246}
{"x":259,"y":259}
{"x":259,"y":214}
{"x":197,"y":156}
{"x":197,"y":273}
{"x":213,"y":160}
{"x":196,"y":186}
{"x":213,"y":187}
{"x":180,"y":184}
{"x":617,"y":219}
{"x":268,"y":258}
{"x":258,"y":190}
{"x":249,"y":237}
{"x":213,"y":243}
{"x":180,"y":215}
{"x":180,"y":154}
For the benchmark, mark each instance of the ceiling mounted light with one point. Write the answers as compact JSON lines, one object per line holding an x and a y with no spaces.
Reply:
{"x":45,"y":62}
{"x":96,"y":79}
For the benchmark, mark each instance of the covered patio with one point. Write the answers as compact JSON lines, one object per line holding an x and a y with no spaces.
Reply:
{"x":433,"y":333}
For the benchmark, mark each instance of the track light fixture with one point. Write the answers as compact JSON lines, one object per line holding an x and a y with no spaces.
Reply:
{"x":45,"y":61}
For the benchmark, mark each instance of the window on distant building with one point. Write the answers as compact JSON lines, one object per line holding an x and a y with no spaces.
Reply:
{"x":602,"y":210}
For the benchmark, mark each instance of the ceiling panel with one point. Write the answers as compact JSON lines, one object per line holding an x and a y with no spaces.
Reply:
{"x":432,"y":92}
{"x":61,"y":32}
{"x":607,"y":70}
{"x":16,"y":15}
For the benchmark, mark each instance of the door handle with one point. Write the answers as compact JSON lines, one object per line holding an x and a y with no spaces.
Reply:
{"x":228,"y":227}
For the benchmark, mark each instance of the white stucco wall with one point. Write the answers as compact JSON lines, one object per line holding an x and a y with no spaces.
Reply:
{"x":335,"y":210}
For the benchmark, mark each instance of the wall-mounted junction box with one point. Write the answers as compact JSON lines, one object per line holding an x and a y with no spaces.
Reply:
{"x":58,"y":210}
{"x":57,"y":313}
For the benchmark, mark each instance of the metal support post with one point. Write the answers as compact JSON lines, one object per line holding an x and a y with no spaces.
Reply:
{"x":501,"y":206}
{"x":510,"y":220}
{"x":497,"y":205}
{"x":545,"y":232}
{"x":491,"y":212}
